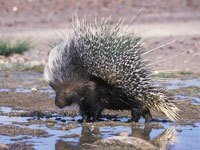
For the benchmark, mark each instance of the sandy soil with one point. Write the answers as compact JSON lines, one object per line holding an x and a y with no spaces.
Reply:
{"x":159,"y":22}
{"x":55,"y":13}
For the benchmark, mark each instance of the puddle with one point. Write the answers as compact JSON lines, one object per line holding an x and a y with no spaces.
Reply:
{"x":26,"y":90}
{"x":177,"y":137}
{"x":46,"y":89}
{"x":187,"y":138}
{"x":22,"y":90}
{"x":6,"y":120}
{"x":9,"y":110}
{"x":6,"y":109}
{"x":180,"y":83}
{"x":194,"y":100}
{"x":5,"y":90}
{"x":184,"y":89}
{"x":180,"y":136}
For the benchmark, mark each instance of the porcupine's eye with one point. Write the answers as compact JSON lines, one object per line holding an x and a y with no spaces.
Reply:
{"x":68,"y":95}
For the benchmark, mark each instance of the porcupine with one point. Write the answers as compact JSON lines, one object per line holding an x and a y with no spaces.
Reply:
{"x":103,"y":67}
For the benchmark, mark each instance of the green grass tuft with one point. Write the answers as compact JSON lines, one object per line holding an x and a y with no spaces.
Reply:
{"x":8,"y":48}
{"x":22,"y":67}
{"x":185,"y":73}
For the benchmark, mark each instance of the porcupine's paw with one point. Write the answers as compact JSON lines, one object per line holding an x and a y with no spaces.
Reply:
{"x":135,"y":115}
{"x":147,"y":116}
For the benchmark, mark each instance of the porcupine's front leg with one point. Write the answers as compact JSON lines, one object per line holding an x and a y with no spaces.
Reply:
{"x":147,"y":115}
{"x":90,"y":107}
{"x":93,"y":109}
{"x":83,"y":112}
{"x":90,"y":112}
{"x":97,"y":112}
{"x":135,"y":115}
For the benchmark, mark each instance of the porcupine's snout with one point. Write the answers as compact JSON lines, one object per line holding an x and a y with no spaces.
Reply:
{"x":66,"y":99}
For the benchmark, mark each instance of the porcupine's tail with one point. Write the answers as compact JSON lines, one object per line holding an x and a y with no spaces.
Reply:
{"x":162,"y":103}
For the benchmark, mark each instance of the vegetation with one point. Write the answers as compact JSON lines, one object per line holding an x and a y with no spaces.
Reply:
{"x":8,"y":48}
{"x":22,"y":67}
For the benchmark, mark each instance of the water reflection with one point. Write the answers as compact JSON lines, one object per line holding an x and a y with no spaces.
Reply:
{"x":143,"y":133}
{"x":88,"y":135}
{"x":166,"y":138}
{"x":91,"y":134}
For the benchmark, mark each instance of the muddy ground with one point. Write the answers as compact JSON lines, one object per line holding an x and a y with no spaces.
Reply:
{"x":28,"y":116}
{"x":29,"y":119}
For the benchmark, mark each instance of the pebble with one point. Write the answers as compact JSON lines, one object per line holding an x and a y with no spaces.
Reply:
{"x":50,"y":122}
{"x":15,"y":8}
{"x":33,"y":89}
{"x":123,"y":134}
{"x":131,"y":142}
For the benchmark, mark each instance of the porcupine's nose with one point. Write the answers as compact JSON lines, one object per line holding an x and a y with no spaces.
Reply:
{"x":60,"y":103}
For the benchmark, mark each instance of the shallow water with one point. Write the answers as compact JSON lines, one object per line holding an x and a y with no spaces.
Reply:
{"x":172,"y":84}
{"x":194,"y":100}
{"x":188,"y":138}
{"x":173,"y":137}
{"x":183,"y":84}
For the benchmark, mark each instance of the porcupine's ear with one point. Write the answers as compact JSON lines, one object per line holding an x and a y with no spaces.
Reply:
{"x":71,"y":87}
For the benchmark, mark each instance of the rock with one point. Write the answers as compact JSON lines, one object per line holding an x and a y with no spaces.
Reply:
{"x":50,"y":122}
{"x":34,"y":63}
{"x":123,"y":142}
{"x":69,"y":126}
{"x":34,"y":89}
{"x":123,"y":134}
{"x":3,"y":147}
{"x":15,"y":8}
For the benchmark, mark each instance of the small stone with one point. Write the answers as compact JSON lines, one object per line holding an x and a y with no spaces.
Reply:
{"x":50,"y":122}
{"x":15,"y":8}
{"x":155,"y":72}
{"x":69,"y":126}
{"x":33,"y":89}
{"x":123,"y":134}
{"x":64,"y":128}
{"x":179,"y":130}
{"x":96,"y":131}
{"x":190,"y":51}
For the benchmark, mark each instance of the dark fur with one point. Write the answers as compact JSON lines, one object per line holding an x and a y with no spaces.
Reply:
{"x":96,"y":96}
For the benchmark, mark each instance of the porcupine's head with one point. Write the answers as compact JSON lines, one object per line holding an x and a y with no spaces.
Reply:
{"x":72,"y":93}
{"x":63,"y":75}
